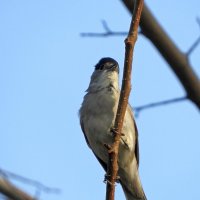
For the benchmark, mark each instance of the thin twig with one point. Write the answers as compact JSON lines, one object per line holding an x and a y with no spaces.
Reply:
{"x":123,"y":100}
{"x":193,"y":47}
{"x":108,"y":32}
{"x":195,"y":44}
{"x":34,"y":183}
{"x":198,"y":21}
{"x":138,"y":109}
{"x":105,"y":25}
{"x":12,"y":192}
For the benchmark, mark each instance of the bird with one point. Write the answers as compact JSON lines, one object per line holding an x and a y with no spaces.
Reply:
{"x":97,"y":115}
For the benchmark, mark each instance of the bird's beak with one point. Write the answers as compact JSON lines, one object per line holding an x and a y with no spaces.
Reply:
{"x":114,"y":67}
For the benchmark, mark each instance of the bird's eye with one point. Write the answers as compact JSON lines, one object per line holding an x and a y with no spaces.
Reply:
{"x":107,"y":64}
{"x":99,"y":67}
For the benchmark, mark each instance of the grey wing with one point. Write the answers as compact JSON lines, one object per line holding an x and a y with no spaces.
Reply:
{"x":137,"y":145}
{"x":136,"y":136}
{"x":103,"y":164}
{"x":83,"y":130}
{"x":136,"y":142}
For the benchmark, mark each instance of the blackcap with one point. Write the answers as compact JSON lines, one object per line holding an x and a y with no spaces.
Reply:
{"x":97,"y":116}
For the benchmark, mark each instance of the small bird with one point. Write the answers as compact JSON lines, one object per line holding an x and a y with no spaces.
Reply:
{"x":97,"y":116}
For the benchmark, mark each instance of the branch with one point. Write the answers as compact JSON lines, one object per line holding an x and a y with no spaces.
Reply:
{"x":13,"y":192}
{"x":123,"y":100}
{"x":170,"y":52}
{"x":39,"y":186}
{"x":108,"y":32}
{"x":193,"y":47}
{"x":138,"y":109}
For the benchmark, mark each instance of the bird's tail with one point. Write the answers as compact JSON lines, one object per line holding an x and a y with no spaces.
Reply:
{"x":135,"y":191}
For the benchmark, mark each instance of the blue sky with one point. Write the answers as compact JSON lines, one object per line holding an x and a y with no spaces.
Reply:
{"x":45,"y":67}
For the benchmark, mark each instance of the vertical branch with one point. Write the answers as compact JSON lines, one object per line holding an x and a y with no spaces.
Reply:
{"x":123,"y":100}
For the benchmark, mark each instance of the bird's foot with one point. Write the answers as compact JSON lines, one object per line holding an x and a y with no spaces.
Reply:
{"x":115,"y":131}
{"x":106,"y":179}
{"x":117,"y":180}
{"x":108,"y":147}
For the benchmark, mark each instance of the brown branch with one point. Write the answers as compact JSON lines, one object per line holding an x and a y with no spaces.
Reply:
{"x":39,"y":186}
{"x":170,"y":52}
{"x":123,"y":100}
{"x":13,"y":192}
{"x":138,"y":109}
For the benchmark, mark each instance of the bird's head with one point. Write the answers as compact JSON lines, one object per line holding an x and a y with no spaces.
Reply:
{"x":106,"y":72}
{"x":106,"y":65}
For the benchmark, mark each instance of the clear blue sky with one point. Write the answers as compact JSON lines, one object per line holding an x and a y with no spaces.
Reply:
{"x":45,"y":67}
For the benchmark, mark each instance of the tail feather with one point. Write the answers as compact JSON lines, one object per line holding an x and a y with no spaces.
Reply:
{"x":134,"y":191}
{"x":131,"y":195}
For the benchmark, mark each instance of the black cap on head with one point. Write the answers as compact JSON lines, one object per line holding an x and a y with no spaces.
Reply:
{"x":107,"y":64}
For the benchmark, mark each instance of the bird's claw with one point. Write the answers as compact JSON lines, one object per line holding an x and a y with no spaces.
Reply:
{"x":115,"y":131}
{"x":117,"y":180}
{"x":106,"y":178}
{"x":107,"y":181}
{"x":108,"y":147}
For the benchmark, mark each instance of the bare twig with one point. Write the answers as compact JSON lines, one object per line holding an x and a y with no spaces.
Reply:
{"x":12,"y":192}
{"x":39,"y":186}
{"x":195,"y":44}
{"x":108,"y":32}
{"x":138,"y":109}
{"x":198,"y":21}
{"x":193,"y":47}
{"x":174,"y":57}
{"x":123,"y":100}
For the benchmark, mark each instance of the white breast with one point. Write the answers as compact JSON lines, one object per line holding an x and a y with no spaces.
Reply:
{"x":98,"y":113}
